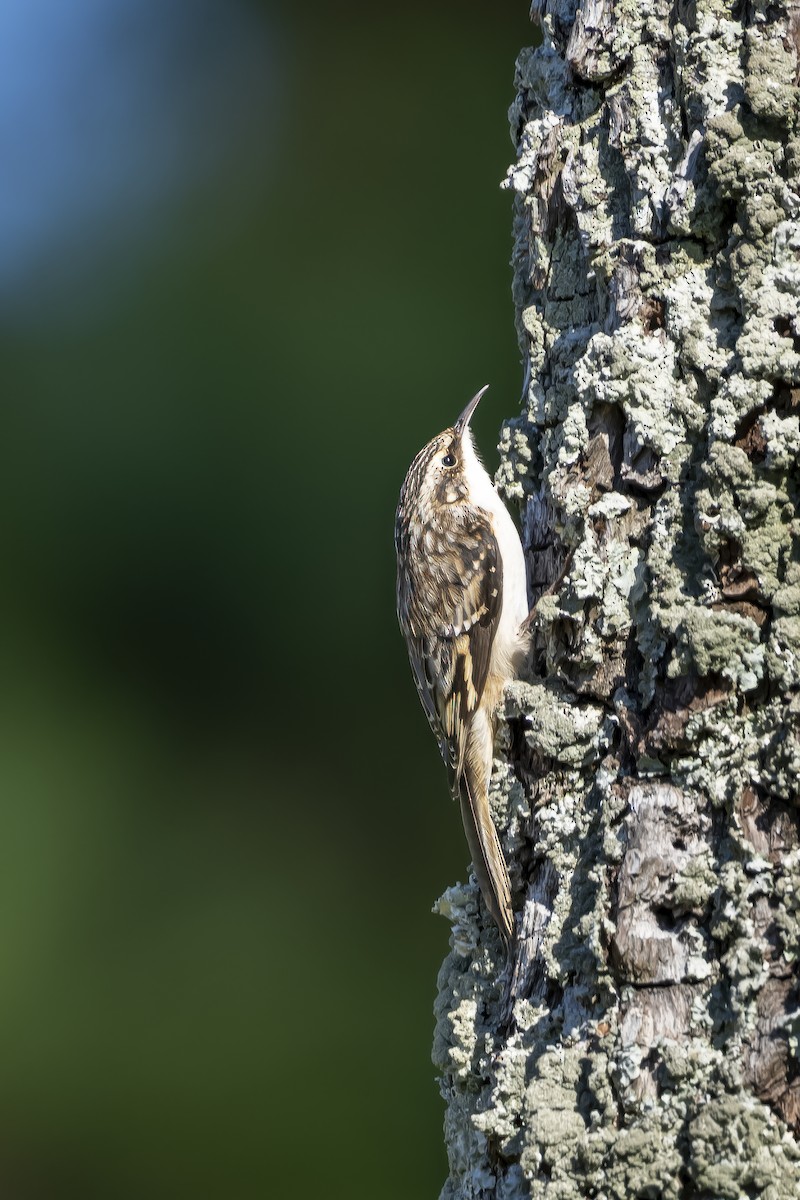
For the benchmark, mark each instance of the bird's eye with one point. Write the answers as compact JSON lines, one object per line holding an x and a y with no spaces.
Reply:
{"x":448,"y":461}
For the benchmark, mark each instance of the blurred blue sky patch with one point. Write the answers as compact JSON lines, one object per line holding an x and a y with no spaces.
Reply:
{"x":114,"y":113}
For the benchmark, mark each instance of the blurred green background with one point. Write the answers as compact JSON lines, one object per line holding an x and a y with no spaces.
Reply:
{"x":251,"y":257}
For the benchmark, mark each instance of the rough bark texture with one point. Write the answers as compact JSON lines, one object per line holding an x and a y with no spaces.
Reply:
{"x":647,"y":785}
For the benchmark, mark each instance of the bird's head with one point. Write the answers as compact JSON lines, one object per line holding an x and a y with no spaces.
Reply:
{"x":439,"y":475}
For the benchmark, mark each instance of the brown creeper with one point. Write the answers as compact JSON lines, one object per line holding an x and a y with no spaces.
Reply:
{"x":461,"y":603}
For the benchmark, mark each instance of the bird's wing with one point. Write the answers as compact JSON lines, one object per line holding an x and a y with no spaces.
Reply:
{"x":450,"y":595}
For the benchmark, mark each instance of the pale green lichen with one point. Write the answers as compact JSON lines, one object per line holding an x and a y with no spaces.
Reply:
{"x":716,"y":1165}
{"x":721,"y":643}
{"x":556,"y":728}
{"x":635,"y":372}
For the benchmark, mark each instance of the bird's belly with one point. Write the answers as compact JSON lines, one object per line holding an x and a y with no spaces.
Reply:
{"x":510,"y":644}
{"x":515,"y":587}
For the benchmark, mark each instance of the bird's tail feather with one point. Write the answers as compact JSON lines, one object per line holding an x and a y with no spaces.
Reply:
{"x":487,"y":853}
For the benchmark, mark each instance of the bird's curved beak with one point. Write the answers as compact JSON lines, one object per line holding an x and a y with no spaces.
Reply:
{"x":464,"y":420}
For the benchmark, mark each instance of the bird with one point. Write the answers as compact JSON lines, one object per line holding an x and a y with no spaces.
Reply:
{"x":462,"y":606}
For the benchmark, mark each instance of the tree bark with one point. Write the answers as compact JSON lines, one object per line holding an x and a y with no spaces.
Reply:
{"x":646,"y":785}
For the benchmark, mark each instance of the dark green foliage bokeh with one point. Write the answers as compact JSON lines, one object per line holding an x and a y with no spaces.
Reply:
{"x":225,"y":819}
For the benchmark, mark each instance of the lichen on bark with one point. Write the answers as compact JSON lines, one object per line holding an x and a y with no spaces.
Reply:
{"x":646,"y":784}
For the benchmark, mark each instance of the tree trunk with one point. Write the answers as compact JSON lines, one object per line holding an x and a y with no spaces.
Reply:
{"x":646,"y":784}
